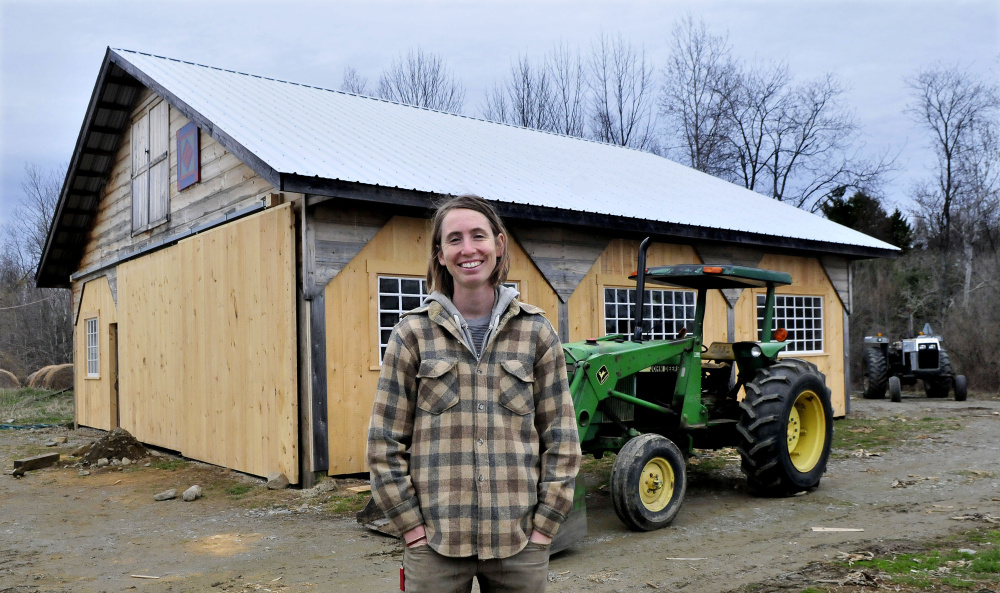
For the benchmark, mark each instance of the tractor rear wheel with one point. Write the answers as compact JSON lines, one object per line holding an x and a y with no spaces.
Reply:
{"x":874,"y":373}
{"x":786,"y":427}
{"x":940,"y":386}
{"x":961,"y":391}
{"x":648,"y":482}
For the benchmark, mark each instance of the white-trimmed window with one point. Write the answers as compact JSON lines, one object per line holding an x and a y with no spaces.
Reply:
{"x":802,"y":318}
{"x":150,"y":167}
{"x":665,"y":311}
{"x":396,"y":295}
{"x":93,"y":352}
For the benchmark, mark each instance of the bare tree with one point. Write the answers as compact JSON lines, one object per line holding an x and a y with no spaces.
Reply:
{"x":422,"y":79}
{"x":35,"y":324}
{"x":353,"y":82}
{"x":622,"y":87}
{"x":698,"y":79}
{"x":524,"y":98}
{"x":568,"y":90}
{"x":753,"y":124}
{"x":952,"y":105}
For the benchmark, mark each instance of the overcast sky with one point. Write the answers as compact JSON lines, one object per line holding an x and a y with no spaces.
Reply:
{"x":50,"y":52}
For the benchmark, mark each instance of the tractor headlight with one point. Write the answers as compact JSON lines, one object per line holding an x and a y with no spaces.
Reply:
{"x":756,"y":352}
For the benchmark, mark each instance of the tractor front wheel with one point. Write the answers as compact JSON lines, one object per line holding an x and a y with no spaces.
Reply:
{"x":961,"y":390}
{"x":648,"y":482}
{"x":786,"y":427}
{"x":895,"y":389}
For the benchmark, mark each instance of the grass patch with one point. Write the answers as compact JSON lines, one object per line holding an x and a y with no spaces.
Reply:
{"x":238,"y":490}
{"x":598,"y":469}
{"x":879,"y":434}
{"x":943,"y":564}
{"x":169,"y":464}
{"x":35,"y":406}
{"x":346,"y":502}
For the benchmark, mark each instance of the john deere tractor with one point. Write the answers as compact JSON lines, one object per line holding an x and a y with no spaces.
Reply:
{"x":653,"y":402}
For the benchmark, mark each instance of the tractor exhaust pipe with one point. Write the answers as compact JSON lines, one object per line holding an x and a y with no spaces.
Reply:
{"x":640,"y":292}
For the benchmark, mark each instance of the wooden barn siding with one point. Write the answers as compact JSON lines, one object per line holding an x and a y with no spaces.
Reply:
{"x":401,"y":248}
{"x":93,"y":396}
{"x":612,"y":269}
{"x":808,"y":278}
{"x":226,"y":184}
{"x":207,"y":335}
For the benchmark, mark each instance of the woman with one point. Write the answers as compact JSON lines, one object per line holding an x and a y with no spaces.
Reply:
{"x":473,"y":446}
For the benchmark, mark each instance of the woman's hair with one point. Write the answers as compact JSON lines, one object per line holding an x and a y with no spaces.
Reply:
{"x":438,"y":276}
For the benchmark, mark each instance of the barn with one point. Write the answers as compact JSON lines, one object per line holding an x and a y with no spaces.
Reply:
{"x":239,"y":249}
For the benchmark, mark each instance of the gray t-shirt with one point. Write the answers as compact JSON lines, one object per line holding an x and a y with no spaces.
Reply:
{"x":478,"y":328}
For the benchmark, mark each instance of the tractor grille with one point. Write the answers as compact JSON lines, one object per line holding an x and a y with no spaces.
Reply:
{"x":927,"y":357}
{"x":624,"y":410}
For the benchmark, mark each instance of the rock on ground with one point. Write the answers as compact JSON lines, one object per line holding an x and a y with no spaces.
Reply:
{"x":166,"y":495}
{"x":192,"y":493}
{"x":277,"y":481}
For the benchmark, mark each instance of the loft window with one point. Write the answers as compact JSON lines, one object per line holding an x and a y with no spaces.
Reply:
{"x":93,"y":352}
{"x":150,"y":168}
{"x":665,"y":312}
{"x":801,"y":316}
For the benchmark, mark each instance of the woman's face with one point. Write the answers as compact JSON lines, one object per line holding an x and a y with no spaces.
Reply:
{"x":469,"y":250}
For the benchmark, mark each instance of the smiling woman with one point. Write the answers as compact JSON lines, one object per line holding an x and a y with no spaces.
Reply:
{"x":478,"y":374}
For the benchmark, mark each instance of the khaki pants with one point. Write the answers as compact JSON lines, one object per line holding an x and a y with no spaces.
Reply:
{"x":426,"y":571}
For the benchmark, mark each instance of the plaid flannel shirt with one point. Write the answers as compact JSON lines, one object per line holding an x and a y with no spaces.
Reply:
{"x":479,"y":451}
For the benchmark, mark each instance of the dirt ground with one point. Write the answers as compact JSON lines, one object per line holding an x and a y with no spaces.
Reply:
{"x":61,"y":531}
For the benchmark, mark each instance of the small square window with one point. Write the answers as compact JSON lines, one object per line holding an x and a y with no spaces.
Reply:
{"x":801,"y":316}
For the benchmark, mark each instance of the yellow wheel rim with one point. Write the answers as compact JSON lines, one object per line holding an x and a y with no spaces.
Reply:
{"x":656,"y":484}
{"x":806,"y":431}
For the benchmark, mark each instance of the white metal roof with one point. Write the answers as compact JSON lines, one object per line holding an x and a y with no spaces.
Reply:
{"x":309,"y":131}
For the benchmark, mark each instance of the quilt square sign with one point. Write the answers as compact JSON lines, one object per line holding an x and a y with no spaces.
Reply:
{"x":188,"y":156}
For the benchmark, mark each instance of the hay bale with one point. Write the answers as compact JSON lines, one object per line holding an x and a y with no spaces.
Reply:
{"x":60,"y":377}
{"x":8,"y":380}
{"x":35,"y":379}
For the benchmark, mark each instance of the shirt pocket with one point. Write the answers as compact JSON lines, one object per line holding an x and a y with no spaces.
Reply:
{"x":437,"y":385}
{"x":517,"y":383}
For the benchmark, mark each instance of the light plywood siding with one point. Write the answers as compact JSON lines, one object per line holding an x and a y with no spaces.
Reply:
{"x":808,"y":279}
{"x":401,"y":248}
{"x":227,"y":184}
{"x":612,"y":270}
{"x":208,"y":353}
{"x":93,"y":396}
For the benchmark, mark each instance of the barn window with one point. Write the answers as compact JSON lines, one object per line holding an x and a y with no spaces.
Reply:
{"x":396,"y":295}
{"x":93,"y":353}
{"x":801,"y":316}
{"x":666,"y":312}
{"x":150,"y":168}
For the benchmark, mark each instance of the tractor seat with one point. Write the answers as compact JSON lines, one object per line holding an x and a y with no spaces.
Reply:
{"x":719,"y":351}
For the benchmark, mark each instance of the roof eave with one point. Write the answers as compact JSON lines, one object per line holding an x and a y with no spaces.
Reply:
{"x":662,"y":231}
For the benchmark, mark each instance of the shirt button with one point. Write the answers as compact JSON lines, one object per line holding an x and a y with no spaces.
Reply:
{"x":481,"y":478}
{"x":482,"y":406}
{"x":479,"y":372}
{"x":480,"y":441}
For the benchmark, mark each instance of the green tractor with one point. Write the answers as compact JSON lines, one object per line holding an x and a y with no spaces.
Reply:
{"x":653,"y":402}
